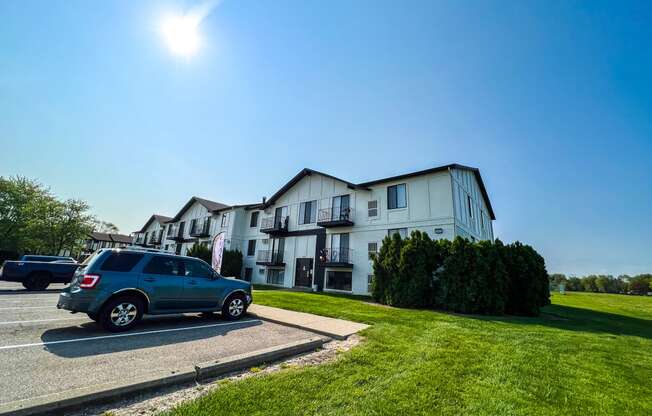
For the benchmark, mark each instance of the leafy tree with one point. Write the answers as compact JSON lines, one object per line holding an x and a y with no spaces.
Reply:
{"x":528,"y":280}
{"x":200,"y":251}
{"x":556,"y":280}
{"x":574,"y":284}
{"x":640,"y":284}
{"x":19,"y":197}
{"x":106,"y":227}
{"x":232,"y":263}
{"x":385,"y":267}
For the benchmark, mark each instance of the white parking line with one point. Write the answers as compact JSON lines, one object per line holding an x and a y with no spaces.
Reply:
{"x":39,"y":320}
{"x":128,"y":334}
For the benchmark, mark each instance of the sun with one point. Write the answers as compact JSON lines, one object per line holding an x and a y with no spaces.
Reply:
{"x":181,"y":34}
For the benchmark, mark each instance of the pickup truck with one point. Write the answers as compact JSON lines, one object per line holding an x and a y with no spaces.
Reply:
{"x":37,"y":272}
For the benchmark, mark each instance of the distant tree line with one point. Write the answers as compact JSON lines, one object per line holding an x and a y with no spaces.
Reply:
{"x":633,"y":285}
{"x":461,"y":276}
{"x":33,"y":220}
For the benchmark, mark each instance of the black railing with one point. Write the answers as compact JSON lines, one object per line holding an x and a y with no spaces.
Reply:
{"x":175,"y":233}
{"x":274,"y":224}
{"x":336,"y":255}
{"x":156,"y":238}
{"x":270,"y":257}
{"x":200,"y":228}
{"x":335,"y":214}
{"x":140,"y":239}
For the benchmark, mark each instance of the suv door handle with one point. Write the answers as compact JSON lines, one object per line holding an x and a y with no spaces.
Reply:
{"x":149,"y":279}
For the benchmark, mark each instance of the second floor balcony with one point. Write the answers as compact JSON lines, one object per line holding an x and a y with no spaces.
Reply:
{"x":175,"y":233}
{"x":335,"y":217}
{"x":275,"y":225}
{"x":337,"y":257}
{"x":155,"y":238}
{"x":140,"y":239}
{"x":270,"y":258}
{"x":200,"y":228}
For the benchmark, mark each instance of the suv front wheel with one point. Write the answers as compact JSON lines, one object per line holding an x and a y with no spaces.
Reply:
{"x":234,"y":307}
{"x":121,"y":313}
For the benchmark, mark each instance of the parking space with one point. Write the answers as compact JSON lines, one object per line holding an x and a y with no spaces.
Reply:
{"x":44,"y":350}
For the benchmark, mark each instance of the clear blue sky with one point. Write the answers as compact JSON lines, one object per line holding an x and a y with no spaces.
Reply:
{"x":552,"y":100}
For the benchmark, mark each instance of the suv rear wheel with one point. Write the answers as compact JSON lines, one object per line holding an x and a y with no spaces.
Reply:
{"x":234,"y":307}
{"x":37,"y":281}
{"x":121,"y":313}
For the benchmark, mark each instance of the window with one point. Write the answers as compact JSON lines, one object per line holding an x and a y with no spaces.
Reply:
{"x":482,"y":220}
{"x":275,"y":276}
{"x":225,"y":219}
{"x":339,"y":281}
{"x":370,"y":282}
{"x":248,"y":272}
{"x":372,"y":208}
{"x":197,"y":269}
{"x":121,"y":262}
{"x":373,"y":249}
{"x":468,"y":205}
{"x":251,"y":248}
{"x":254,"y":219}
{"x":307,"y":212}
{"x":396,"y":196}
{"x":193,"y":226}
{"x":163,"y":265}
{"x":400,"y":231}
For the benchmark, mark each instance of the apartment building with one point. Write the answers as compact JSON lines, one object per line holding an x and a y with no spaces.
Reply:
{"x":317,"y":231}
{"x":152,"y":233}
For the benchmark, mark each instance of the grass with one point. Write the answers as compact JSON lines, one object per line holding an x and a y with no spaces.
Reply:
{"x":587,"y":354}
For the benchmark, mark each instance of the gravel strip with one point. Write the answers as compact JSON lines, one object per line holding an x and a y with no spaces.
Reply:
{"x":152,"y":403}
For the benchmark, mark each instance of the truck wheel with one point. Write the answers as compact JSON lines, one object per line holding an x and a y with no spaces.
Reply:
{"x":234,"y":307}
{"x":37,"y":281}
{"x":121,"y":313}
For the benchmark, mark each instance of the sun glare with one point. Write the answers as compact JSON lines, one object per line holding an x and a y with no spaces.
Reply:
{"x":181,"y":35}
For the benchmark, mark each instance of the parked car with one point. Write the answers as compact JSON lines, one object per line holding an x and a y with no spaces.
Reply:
{"x":116,"y":287}
{"x":37,"y":272}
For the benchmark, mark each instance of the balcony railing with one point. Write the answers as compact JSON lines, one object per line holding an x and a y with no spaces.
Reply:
{"x":335,"y":217}
{"x":175,"y":233}
{"x":337,"y":257}
{"x":270,"y":258}
{"x":201,"y":228}
{"x":274,"y":225}
{"x":156,"y":238}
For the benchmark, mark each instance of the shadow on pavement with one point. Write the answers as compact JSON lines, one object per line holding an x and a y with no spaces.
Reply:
{"x":138,"y":338}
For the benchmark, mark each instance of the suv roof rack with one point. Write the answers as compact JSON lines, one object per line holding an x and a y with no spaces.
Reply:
{"x":138,"y":248}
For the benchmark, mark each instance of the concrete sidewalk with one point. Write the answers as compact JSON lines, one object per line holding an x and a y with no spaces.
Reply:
{"x":330,"y":327}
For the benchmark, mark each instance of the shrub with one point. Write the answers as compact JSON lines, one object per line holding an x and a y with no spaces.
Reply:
{"x":232,"y":263}
{"x":200,"y":251}
{"x":461,"y":276}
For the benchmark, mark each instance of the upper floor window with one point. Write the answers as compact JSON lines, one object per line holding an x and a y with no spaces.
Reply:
{"x":396,"y":196}
{"x":372,"y":208}
{"x":400,"y":231}
{"x":254,"y":219}
{"x":251,"y":247}
{"x":225,"y":219}
{"x":372,"y":248}
{"x":469,"y":207}
{"x":307,"y":212}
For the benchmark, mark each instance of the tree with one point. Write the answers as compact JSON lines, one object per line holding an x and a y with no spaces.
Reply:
{"x":200,"y":251}
{"x":231,"y":263}
{"x":19,"y":197}
{"x":640,"y":284}
{"x":556,"y":280}
{"x":106,"y":227}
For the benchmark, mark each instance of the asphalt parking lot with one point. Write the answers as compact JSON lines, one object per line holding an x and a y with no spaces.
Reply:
{"x":44,"y":350}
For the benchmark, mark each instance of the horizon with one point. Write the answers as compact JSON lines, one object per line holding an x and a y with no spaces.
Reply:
{"x":550,"y":101}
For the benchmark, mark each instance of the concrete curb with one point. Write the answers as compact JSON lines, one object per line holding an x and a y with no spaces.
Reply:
{"x":58,"y":402}
{"x":298,"y":326}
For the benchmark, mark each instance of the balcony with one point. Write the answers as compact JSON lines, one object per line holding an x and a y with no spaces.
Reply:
{"x":274,"y":225}
{"x":335,"y":217}
{"x":175,"y":233}
{"x":337,"y":257}
{"x":270,"y":258}
{"x":140,"y":240}
{"x":200,"y":228}
{"x":155,"y":239}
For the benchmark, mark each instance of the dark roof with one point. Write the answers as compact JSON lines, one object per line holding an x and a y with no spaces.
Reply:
{"x":365,"y":185}
{"x":209,"y":205}
{"x":118,"y":238}
{"x":161,"y":219}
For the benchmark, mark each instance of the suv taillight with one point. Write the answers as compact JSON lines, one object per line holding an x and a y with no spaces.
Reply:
{"x":89,"y":281}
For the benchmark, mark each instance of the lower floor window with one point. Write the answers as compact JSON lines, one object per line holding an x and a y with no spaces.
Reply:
{"x":339,"y":281}
{"x":275,"y":276}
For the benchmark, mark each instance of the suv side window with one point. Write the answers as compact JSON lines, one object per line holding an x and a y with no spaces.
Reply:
{"x":121,"y":262}
{"x":197,"y":269}
{"x":163,"y":265}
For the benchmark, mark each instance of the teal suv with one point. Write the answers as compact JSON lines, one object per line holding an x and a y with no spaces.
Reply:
{"x":115,"y":287}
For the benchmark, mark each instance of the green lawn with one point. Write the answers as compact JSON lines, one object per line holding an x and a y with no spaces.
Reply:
{"x":588,"y":354}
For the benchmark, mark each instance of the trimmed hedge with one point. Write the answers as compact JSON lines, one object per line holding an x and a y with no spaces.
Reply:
{"x":460,"y":276}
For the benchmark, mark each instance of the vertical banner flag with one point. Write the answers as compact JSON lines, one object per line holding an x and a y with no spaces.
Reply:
{"x":218,"y":250}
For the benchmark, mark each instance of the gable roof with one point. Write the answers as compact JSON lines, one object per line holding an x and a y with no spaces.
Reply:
{"x":208,"y":204}
{"x":161,"y":219}
{"x":302,"y":174}
{"x":365,"y":185}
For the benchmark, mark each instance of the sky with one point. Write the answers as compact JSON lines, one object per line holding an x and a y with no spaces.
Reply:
{"x":551,"y":100}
